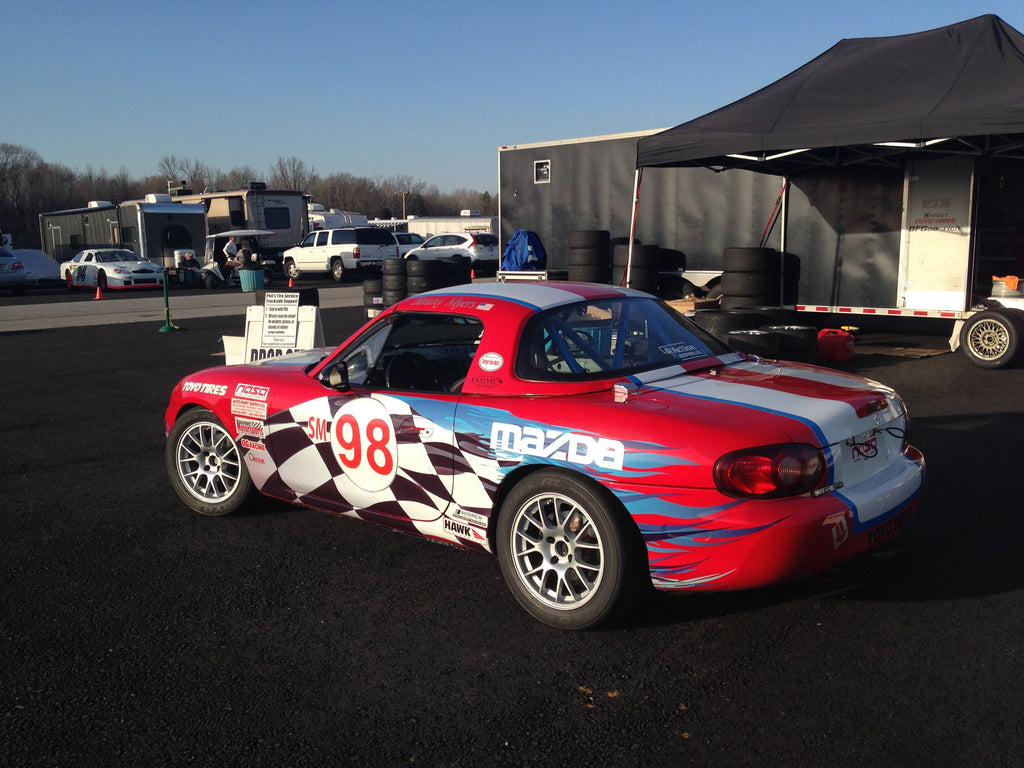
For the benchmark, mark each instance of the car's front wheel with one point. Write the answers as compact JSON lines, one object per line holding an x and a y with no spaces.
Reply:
{"x":291,"y":270}
{"x":567,"y":551}
{"x":205,"y":466}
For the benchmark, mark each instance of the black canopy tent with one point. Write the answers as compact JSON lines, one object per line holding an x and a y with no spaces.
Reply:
{"x":956,"y":90}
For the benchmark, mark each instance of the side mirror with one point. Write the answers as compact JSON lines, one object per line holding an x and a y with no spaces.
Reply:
{"x":337,"y":377}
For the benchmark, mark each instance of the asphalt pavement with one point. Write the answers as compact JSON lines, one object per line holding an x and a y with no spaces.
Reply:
{"x":134,"y":632}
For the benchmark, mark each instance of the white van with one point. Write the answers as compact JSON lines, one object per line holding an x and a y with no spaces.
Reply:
{"x":338,"y":251}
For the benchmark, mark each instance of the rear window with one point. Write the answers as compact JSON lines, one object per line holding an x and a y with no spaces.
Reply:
{"x":486,"y":239}
{"x":277,"y":218}
{"x":374,"y":236}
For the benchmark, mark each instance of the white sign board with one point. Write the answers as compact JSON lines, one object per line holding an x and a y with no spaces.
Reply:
{"x":277,"y":328}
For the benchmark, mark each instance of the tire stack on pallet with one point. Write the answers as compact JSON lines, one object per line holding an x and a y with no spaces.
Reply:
{"x":644,"y":269}
{"x":590,"y":256}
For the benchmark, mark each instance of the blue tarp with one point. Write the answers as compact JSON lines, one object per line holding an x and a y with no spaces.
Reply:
{"x":523,"y":252}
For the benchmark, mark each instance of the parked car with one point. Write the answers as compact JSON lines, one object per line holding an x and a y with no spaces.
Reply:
{"x":111,"y":268}
{"x":594,"y":439}
{"x":12,"y":272}
{"x":480,"y":249}
{"x":407,"y":241}
{"x":338,"y":251}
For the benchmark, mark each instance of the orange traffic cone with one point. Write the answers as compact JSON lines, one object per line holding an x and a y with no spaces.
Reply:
{"x":472,"y":274}
{"x":99,"y":293}
{"x":291,"y":282}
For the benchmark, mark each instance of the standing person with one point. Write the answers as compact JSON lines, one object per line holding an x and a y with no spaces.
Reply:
{"x":231,"y":253}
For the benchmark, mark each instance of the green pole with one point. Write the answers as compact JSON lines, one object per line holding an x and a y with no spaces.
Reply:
{"x":168,"y":325}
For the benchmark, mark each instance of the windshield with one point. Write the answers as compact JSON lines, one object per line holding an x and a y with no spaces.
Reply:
{"x":609,"y":337}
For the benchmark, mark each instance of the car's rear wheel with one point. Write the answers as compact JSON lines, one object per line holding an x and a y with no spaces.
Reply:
{"x":101,"y":280}
{"x":337,"y":270}
{"x":991,"y":339}
{"x":205,"y":466}
{"x":567,"y":551}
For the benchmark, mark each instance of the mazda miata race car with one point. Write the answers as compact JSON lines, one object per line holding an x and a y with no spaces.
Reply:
{"x":591,"y":437}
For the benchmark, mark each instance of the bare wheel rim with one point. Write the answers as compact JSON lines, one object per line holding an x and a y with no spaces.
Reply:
{"x":557,"y":551}
{"x":988,"y":339}
{"x":208,"y":462}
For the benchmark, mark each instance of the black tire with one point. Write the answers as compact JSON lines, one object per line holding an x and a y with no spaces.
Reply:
{"x":205,"y":466}
{"x":798,"y":340}
{"x":720,"y":322}
{"x":761,"y":343}
{"x":390,"y":298}
{"x":750,"y":260}
{"x":750,"y":284}
{"x":417,"y":268}
{"x":420,"y":285}
{"x":643,"y":255}
{"x":567,"y":551}
{"x":746,"y":302}
{"x":209,"y":281}
{"x":392,"y":266}
{"x":589,"y":257}
{"x":268,"y":277}
{"x":643,"y":279}
{"x":373,"y":285}
{"x":591,"y":274}
{"x":69,"y":280}
{"x":991,"y":339}
{"x":291,"y":270}
{"x":338,"y":270}
{"x":590,"y":238}
{"x":390,"y":282}
{"x":101,"y":280}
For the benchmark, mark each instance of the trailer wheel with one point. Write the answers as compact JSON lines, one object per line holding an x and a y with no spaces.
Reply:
{"x":990,"y":339}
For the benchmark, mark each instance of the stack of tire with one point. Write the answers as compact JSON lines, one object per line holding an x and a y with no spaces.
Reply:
{"x":750,"y":278}
{"x":373,"y":296}
{"x":643,"y":269}
{"x":393,"y":280}
{"x":590,"y":256}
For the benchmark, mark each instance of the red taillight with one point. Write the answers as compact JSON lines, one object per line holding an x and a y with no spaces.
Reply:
{"x":771,"y":471}
{"x":355,"y":252}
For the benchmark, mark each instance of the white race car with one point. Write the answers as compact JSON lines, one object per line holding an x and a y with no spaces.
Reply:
{"x":111,"y":268}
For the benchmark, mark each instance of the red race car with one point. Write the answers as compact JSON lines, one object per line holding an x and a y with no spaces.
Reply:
{"x":591,"y":437}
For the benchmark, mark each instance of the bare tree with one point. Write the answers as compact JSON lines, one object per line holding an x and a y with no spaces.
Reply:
{"x":291,"y":173}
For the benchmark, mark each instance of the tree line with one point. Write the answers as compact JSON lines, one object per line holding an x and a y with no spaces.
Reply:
{"x":29,"y":186}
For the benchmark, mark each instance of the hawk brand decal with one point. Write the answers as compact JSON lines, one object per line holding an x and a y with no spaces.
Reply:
{"x":560,"y":446}
{"x":459,"y":529}
{"x":203,"y":388}
{"x":252,"y":391}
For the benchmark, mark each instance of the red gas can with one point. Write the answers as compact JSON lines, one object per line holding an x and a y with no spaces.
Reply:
{"x":835,"y":344}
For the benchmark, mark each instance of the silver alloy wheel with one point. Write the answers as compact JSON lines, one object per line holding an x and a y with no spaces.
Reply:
{"x":557,"y":551}
{"x":989,"y":339}
{"x":207,"y":462}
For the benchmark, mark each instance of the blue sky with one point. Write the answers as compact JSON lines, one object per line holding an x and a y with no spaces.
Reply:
{"x":381,"y":89}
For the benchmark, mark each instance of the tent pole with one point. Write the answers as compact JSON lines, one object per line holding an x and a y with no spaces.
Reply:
{"x":632,"y":221}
